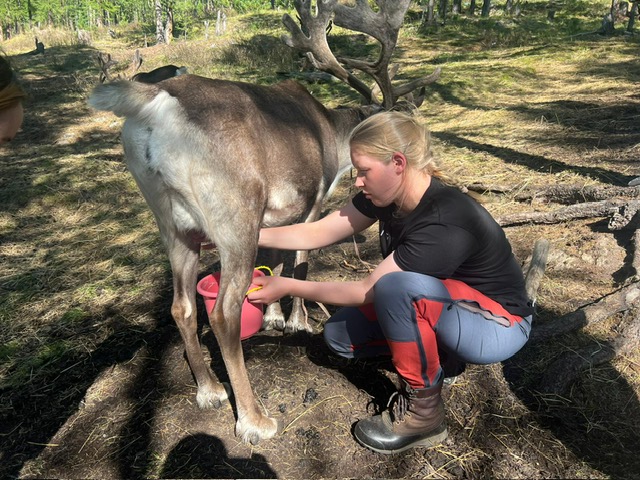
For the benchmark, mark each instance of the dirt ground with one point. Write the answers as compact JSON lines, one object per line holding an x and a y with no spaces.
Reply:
{"x":127,"y":409}
{"x":122,"y":405}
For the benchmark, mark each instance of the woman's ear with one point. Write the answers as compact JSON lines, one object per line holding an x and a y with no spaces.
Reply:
{"x":399,"y":161}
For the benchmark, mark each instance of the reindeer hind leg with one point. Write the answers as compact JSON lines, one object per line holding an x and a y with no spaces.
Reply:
{"x":184,"y":264}
{"x":237,"y":260}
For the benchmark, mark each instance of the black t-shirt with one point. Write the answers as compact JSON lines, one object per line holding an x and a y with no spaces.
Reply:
{"x":450,"y":235}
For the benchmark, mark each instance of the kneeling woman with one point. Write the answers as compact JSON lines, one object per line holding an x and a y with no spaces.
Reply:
{"x":448,"y":287}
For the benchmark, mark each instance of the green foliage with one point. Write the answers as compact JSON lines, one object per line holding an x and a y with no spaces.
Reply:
{"x":189,"y":15}
{"x":9,"y":349}
{"x":35,"y":365}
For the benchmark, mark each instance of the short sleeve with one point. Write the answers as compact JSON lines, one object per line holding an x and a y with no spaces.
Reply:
{"x":363,"y":205}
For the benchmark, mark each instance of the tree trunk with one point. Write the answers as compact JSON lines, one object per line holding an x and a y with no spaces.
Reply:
{"x":551,"y":10}
{"x":160,"y":38}
{"x":609,"y":20}
{"x":633,"y":14}
{"x":457,"y":7}
{"x":431,"y":13}
{"x":168,"y":31}
{"x":486,"y":8}
{"x":442,"y":11}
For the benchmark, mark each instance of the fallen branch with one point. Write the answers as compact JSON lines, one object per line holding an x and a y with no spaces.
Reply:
{"x":484,"y":188}
{"x":603,"y":208}
{"x":570,"y":194}
{"x":566,"y":369}
{"x":563,"y":194}
{"x":624,"y":299}
{"x":626,"y":216}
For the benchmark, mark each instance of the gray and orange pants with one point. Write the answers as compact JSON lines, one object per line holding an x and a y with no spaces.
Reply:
{"x":417,"y":319}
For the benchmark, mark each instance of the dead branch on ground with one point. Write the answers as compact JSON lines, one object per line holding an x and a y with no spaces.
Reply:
{"x":566,"y":369}
{"x":604,"y":208}
{"x":562,"y":194}
{"x":619,"y":301}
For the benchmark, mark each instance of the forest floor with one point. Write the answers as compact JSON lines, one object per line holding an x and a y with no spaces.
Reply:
{"x":93,"y":379}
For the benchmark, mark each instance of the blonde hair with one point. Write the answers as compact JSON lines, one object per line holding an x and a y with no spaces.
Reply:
{"x":10,"y":91}
{"x":383,"y":134}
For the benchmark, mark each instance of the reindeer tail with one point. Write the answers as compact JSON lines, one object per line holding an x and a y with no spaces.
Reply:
{"x":144,"y":102}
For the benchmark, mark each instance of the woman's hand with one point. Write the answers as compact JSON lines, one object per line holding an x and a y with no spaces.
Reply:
{"x":273,"y":289}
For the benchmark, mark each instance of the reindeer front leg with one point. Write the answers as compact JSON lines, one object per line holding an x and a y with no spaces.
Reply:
{"x":273,"y":316}
{"x":184,"y":257}
{"x":298,"y":320}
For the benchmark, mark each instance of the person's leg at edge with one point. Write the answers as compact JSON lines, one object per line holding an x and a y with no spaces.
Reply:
{"x":354,"y":332}
{"x":411,"y":310}
{"x":416,"y":413}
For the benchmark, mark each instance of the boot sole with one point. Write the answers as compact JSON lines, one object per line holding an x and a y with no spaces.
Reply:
{"x":427,"y":442}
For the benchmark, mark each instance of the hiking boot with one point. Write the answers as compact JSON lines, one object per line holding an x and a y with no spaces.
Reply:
{"x":413,"y":418}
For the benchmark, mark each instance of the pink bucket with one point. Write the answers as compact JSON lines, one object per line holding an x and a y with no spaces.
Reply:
{"x":251,"y":317}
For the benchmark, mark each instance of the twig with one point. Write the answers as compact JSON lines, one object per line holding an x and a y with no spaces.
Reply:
{"x":324,"y":309}
{"x":308,"y":410}
{"x":369,"y":266}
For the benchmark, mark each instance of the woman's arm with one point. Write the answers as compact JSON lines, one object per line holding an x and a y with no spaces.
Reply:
{"x":309,"y":236}
{"x":334,"y":293}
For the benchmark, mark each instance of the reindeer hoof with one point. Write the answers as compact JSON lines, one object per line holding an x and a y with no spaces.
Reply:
{"x":273,"y":322}
{"x":209,"y":398}
{"x":294,"y":327}
{"x":263,"y":429}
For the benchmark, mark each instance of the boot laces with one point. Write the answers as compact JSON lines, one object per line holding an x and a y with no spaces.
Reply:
{"x":398,"y":405}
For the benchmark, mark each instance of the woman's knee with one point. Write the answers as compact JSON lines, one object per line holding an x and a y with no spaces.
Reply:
{"x":336,"y":337}
{"x":388,"y":284}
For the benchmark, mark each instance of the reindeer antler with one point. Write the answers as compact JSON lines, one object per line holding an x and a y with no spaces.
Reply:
{"x":382,"y":25}
{"x":314,"y":41}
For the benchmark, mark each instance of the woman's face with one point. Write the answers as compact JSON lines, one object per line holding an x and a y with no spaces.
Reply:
{"x":381,"y":182}
{"x":10,"y":122}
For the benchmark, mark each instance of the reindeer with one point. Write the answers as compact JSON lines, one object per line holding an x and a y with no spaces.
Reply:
{"x":106,"y":63}
{"x":216,"y":160}
{"x":159,"y":74}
